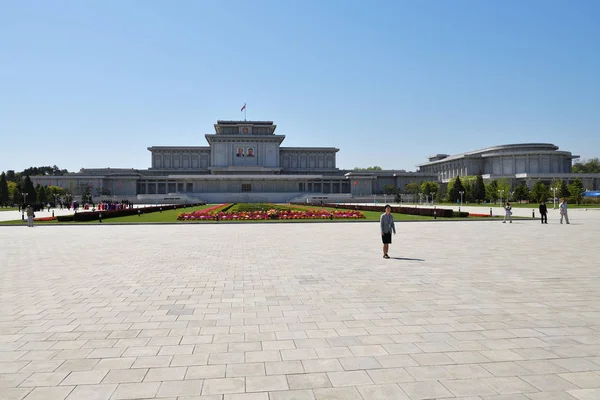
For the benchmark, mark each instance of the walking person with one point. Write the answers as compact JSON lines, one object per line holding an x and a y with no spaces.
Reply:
{"x":30,"y":216}
{"x":543,"y":212}
{"x":563,"y":211}
{"x":507,"y":213}
{"x":386,"y":222}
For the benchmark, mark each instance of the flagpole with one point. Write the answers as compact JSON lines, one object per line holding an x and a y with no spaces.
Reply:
{"x":245,"y":108}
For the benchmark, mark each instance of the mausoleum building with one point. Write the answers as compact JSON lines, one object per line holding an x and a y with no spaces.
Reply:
{"x":245,"y":161}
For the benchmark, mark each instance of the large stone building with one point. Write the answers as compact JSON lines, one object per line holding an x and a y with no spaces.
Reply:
{"x":244,"y":161}
{"x":526,"y":162}
{"x":505,"y":160}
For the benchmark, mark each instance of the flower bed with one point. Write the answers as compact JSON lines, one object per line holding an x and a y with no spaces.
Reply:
{"x":44,"y":219}
{"x":271,"y":214}
{"x":479,"y":215}
{"x":201,"y":215}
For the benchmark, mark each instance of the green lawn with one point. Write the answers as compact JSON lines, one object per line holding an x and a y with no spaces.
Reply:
{"x":170,"y":216}
{"x":165,"y":216}
{"x":8,"y":209}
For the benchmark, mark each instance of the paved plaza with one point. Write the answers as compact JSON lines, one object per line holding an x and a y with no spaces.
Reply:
{"x":469,"y":310}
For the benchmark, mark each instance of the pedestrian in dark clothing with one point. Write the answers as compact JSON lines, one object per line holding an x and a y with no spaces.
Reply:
{"x":386,"y":222}
{"x":544,"y":212}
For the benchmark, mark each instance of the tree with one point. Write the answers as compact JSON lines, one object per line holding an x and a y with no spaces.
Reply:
{"x":4,"y":195}
{"x":412,"y":189}
{"x":13,"y":192}
{"x":539,"y":192}
{"x":390,"y":189}
{"x":468,"y":195}
{"x":563,"y":190}
{"x":479,"y":189}
{"x":55,"y":190}
{"x":455,"y":186}
{"x":521,"y":192}
{"x":41,"y":194}
{"x":576,"y":190}
{"x":429,"y":187}
{"x":10,"y":175}
{"x":373,"y":168}
{"x":503,"y":189}
{"x":27,"y":187}
{"x":591,"y":166}
{"x":491,"y":191}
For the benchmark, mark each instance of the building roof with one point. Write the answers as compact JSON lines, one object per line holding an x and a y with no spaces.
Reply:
{"x":517,"y":147}
{"x":221,"y":122}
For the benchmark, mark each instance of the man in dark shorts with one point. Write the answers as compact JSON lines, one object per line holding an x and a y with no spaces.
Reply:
{"x":386,"y":222}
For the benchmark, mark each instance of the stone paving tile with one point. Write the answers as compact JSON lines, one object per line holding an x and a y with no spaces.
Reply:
{"x":49,"y":393}
{"x":292,"y":395}
{"x":308,"y":381}
{"x":125,"y":375}
{"x":266,"y":383}
{"x":241,"y":319}
{"x":224,"y":386}
{"x":127,"y":391}
{"x":14,"y":393}
{"x":337,"y":394}
{"x":92,"y":392}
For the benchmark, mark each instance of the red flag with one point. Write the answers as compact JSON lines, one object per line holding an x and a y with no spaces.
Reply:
{"x":355,"y":183}
{"x":243,"y":108}
{"x":120,"y":184}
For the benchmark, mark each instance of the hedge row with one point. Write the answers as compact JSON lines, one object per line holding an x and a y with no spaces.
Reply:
{"x":428,"y":212}
{"x":95,"y":215}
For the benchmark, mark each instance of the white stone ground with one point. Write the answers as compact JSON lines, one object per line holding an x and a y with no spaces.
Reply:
{"x":470,"y":310}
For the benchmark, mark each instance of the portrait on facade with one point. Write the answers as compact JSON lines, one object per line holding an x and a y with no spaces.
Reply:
{"x":250,"y":152}
{"x":240,"y":152}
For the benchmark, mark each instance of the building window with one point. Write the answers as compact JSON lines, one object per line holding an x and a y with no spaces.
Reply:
{"x":189,"y":187}
{"x":246,"y":187}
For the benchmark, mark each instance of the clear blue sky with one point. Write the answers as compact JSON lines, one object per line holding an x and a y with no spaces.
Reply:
{"x":94,"y":83}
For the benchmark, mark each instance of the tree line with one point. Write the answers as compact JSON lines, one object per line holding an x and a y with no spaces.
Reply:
{"x":473,"y":189}
{"x":18,"y":188}
{"x":591,"y":166}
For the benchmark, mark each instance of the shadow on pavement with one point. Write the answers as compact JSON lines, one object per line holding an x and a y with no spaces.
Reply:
{"x":407,"y":259}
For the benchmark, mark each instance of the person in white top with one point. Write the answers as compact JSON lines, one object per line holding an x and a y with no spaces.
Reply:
{"x":507,"y":213}
{"x":563,"y":211}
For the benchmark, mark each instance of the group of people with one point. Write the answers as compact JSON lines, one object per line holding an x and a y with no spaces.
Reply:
{"x":543,"y":212}
{"x":387,"y":226}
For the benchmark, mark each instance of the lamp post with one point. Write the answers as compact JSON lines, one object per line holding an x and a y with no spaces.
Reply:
{"x":554,"y":198}
{"x":420,"y":198}
{"x":432,"y":193}
{"x":23,"y":208}
{"x":501,"y":193}
{"x":461,"y":196}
